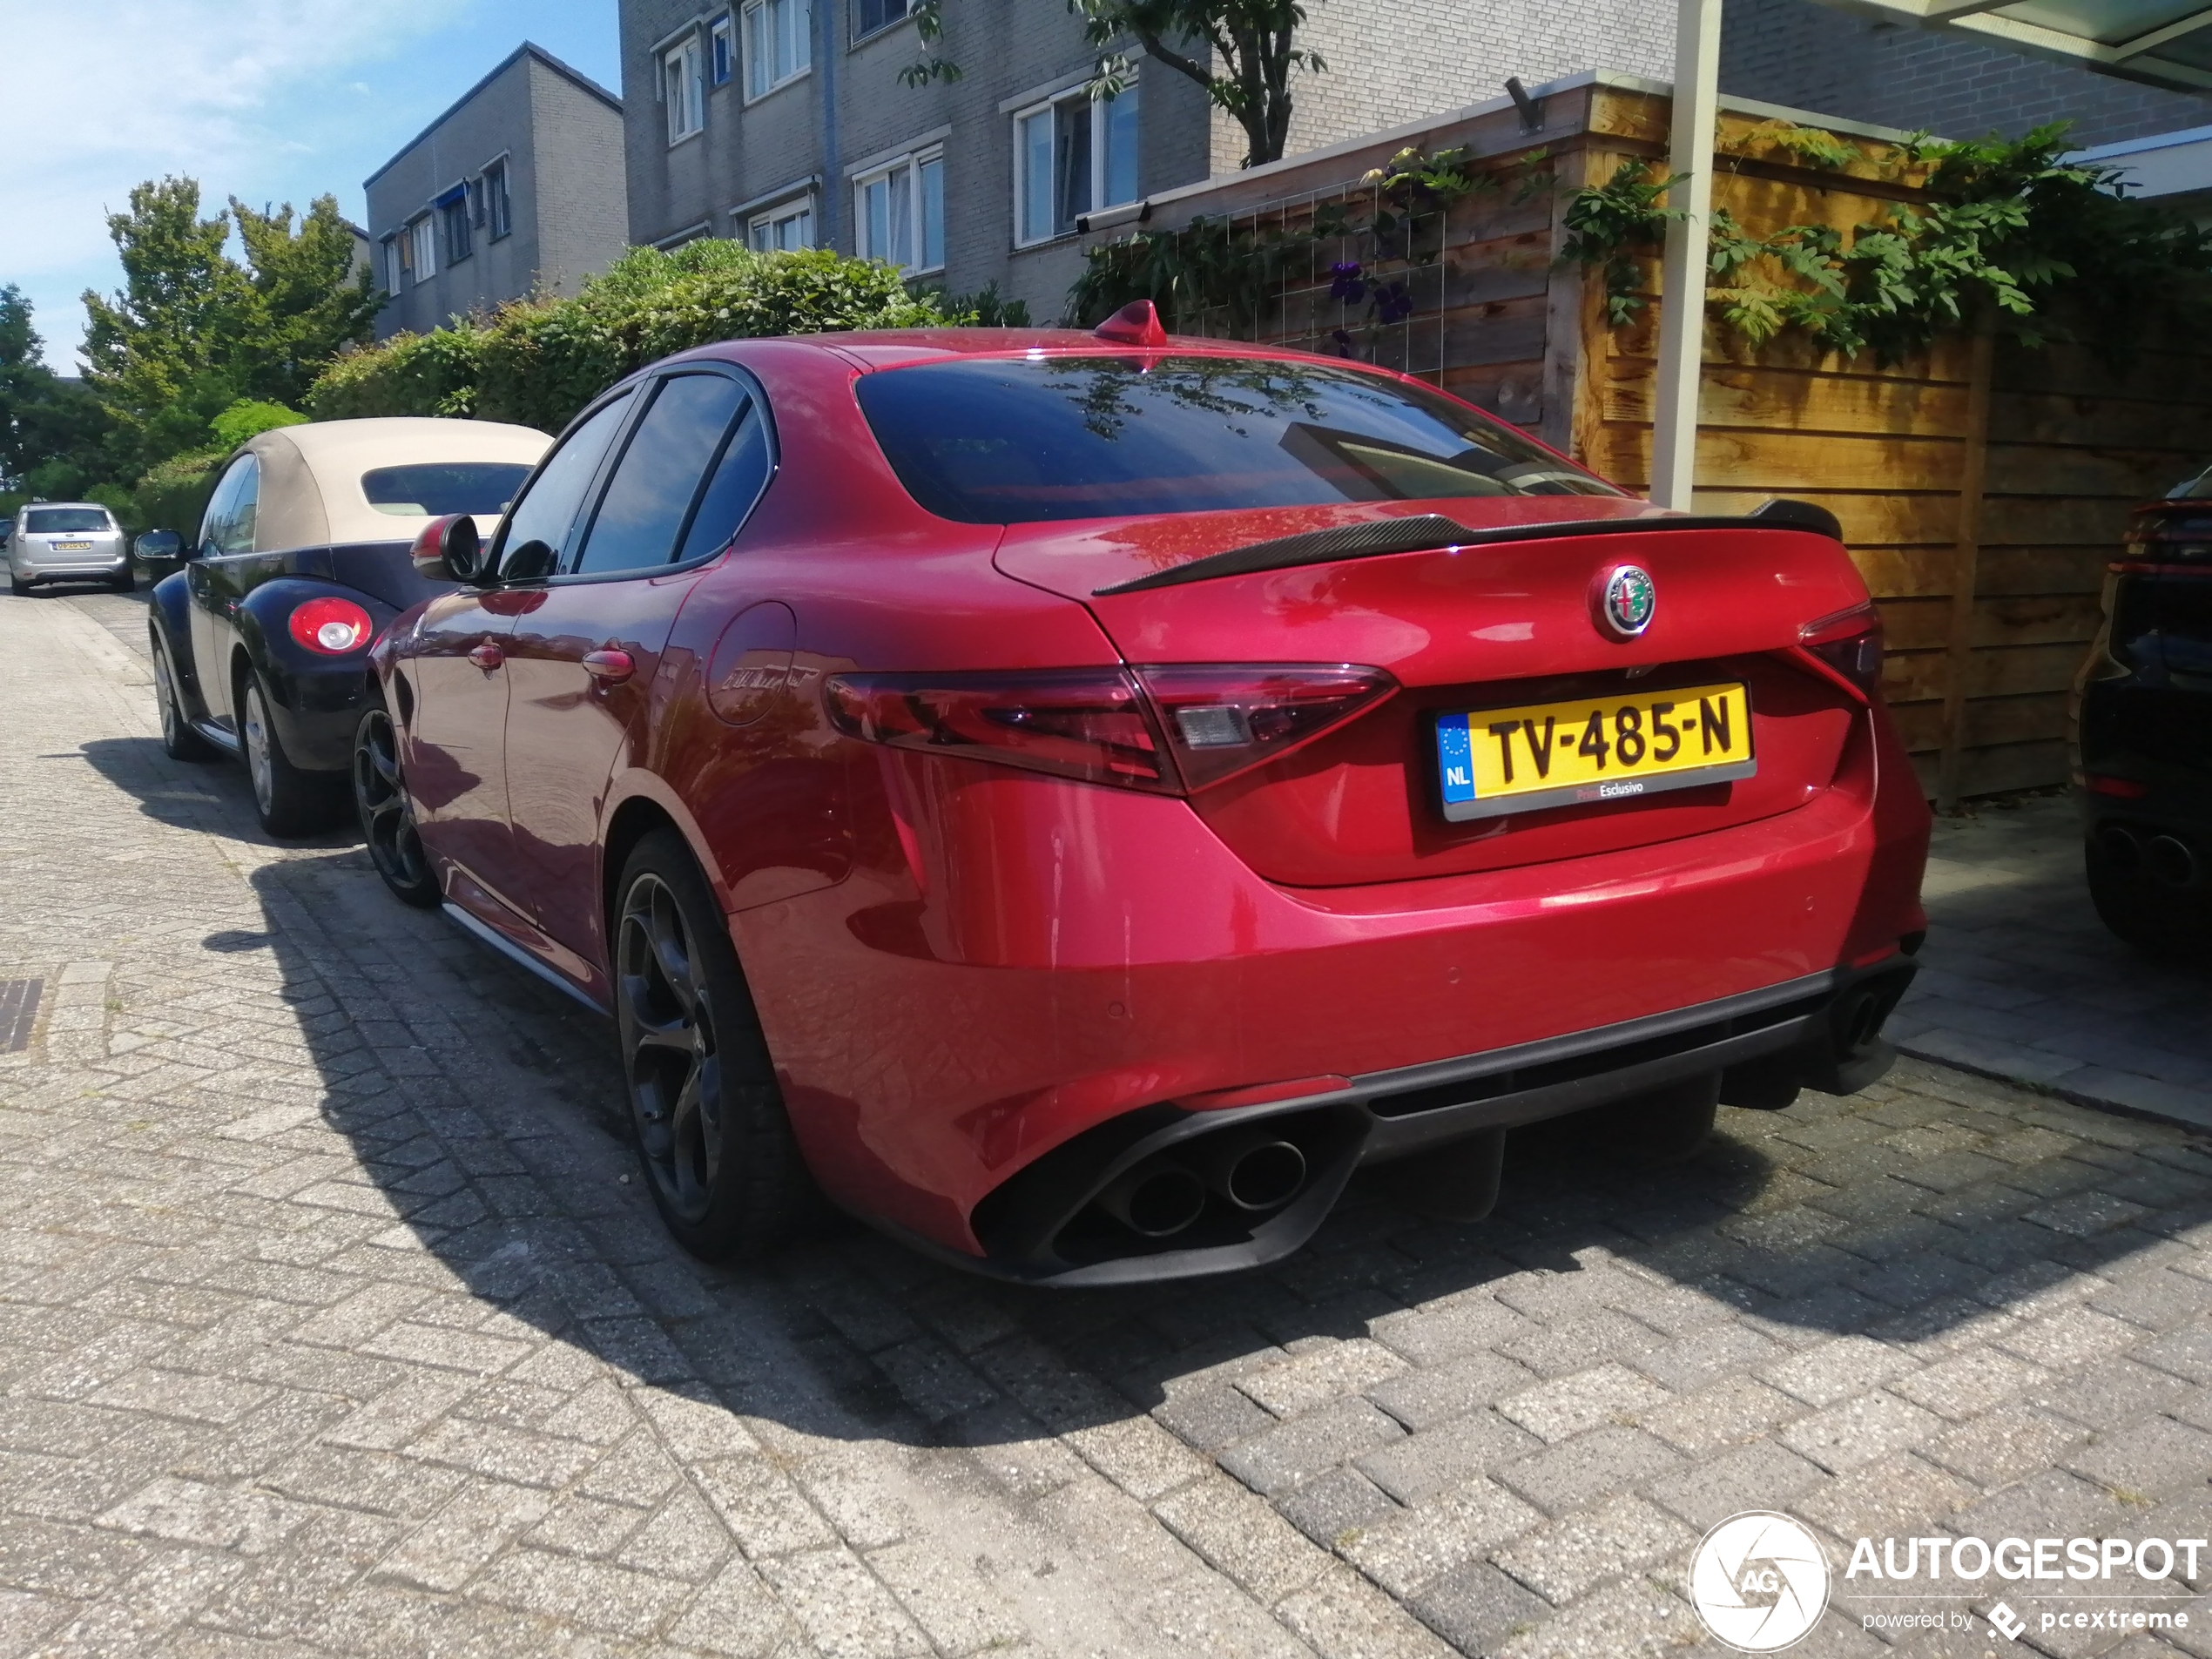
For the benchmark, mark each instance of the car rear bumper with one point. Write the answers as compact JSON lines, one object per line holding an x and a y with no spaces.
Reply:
{"x":45,"y":566}
{"x":1020,"y":963}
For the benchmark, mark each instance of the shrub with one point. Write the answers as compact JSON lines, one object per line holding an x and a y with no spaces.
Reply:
{"x":173,"y":495}
{"x":538,"y":362}
{"x":249,"y":417}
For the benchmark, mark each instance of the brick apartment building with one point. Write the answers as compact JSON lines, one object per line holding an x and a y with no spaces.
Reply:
{"x":519,"y":185}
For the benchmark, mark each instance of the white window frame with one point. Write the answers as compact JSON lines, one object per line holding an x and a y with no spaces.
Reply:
{"x":1049,"y":107}
{"x":392,"y":272}
{"x":882,"y":28}
{"x":758,"y":85}
{"x":683,"y":85}
{"x":911,"y":164}
{"x":422,"y":230}
{"x":722,"y":51}
{"x":778,"y":214}
{"x":499,"y":198}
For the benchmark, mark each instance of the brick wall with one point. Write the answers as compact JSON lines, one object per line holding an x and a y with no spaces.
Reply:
{"x":1811,"y":57}
{"x":583,"y":214}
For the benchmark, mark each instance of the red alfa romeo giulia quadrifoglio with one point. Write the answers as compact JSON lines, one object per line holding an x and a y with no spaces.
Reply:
{"x":1072,"y":798}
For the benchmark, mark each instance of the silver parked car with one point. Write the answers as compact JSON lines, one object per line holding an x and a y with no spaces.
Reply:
{"x":67,"y":540}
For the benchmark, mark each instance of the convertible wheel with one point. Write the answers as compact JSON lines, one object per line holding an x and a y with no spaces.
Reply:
{"x":387,"y":816}
{"x":2162,"y":922}
{"x":287,"y":801}
{"x":716,"y":1148}
{"x":178,"y":740}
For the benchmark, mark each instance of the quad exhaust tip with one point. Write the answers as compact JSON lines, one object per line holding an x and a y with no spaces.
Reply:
{"x":1157,"y":1199}
{"x":1254,"y":1170}
{"x":2122,"y":847}
{"x":2172,"y":860}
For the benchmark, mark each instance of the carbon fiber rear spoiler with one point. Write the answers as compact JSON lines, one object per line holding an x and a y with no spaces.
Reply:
{"x":1423,"y":532}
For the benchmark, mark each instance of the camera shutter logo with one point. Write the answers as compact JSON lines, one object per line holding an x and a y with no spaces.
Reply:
{"x":1759,"y":1582}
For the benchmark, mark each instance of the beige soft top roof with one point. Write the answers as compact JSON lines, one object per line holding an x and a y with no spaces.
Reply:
{"x":310,"y":474}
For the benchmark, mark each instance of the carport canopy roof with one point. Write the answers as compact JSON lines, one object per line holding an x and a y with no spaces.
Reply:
{"x":2165,"y":42}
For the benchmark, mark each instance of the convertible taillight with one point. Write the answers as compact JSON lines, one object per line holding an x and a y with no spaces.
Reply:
{"x":331,"y":626}
{"x":1170,"y":728}
{"x":1849,"y":645}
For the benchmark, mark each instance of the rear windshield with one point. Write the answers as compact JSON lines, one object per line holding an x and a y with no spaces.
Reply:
{"x":991,"y":441}
{"x":51,"y":521}
{"x":433,"y":490}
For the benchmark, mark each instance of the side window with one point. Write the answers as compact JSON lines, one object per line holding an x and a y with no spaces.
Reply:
{"x":547,"y":512}
{"x":648,"y":500}
{"x":739,"y":477}
{"x":228,"y":525}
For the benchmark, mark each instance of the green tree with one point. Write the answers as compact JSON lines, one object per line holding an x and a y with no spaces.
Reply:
{"x":193,"y":331}
{"x":1243,"y":52}
{"x":50,"y":429}
{"x":1247,"y":71}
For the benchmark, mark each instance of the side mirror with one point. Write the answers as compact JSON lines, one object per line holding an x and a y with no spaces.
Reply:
{"x":449,"y":550}
{"x":159,"y":547}
{"x":532,"y":561}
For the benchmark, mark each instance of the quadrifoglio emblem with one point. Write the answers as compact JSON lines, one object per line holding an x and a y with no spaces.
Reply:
{"x":1760,"y":1582}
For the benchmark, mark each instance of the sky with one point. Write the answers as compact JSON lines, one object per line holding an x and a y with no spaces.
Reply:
{"x":267,"y":100}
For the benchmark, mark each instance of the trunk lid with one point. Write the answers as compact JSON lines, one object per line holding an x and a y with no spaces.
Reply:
{"x":1504,"y":619}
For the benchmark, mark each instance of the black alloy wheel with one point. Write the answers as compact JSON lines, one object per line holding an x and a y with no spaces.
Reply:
{"x":178,"y":740}
{"x":387,"y":816}
{"x":718,"y":1155}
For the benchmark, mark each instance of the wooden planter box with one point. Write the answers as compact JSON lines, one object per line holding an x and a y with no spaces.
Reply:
{"x":1982,"y":488}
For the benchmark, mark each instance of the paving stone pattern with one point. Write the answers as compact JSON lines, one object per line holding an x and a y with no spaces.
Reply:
{"x":2020,"y":981}
{"x":330,"y":1324}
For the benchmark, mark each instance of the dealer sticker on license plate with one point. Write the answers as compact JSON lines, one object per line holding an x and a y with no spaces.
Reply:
{"x":1565,"y":754}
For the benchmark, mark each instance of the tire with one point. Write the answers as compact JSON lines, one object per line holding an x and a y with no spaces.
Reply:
{"x":123,"y":581}
{"x":1659,"y":1127}
{"x":712,"y":1136}
{"x":287,"y":801}
{"x":178,"y":740}
{"x":17,"y":586}
{"x":2162,"y":923}
{"x":387,"y":816}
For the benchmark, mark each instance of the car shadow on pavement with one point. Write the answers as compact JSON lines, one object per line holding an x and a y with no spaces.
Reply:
{"x":484,"y":1115}
{"x":488,"y":1113}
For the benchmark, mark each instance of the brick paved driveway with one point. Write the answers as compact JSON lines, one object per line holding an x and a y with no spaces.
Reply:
{"x":330,"y":1324}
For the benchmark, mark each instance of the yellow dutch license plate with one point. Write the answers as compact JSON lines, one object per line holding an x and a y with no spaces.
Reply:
{"x":72,"y":547}
{"x":1565,"y":754}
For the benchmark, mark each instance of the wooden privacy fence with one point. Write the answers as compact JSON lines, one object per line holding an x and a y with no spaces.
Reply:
{"x":1982,"y":488}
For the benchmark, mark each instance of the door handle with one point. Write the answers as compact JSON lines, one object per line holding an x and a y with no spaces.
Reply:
{"x":609,"y":667}
{"x":488,"y":657}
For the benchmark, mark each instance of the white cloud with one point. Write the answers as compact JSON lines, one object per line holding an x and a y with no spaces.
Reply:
{"x":101,"y":94}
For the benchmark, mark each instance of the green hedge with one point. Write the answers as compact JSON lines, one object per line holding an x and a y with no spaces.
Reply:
{"x":538,"y":362}
{"x":173,"y":495}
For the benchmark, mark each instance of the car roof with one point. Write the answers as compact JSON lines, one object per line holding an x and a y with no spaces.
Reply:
{"x":897,"y":348}
{"x":41,"y":506}
{"x":311,"y":488}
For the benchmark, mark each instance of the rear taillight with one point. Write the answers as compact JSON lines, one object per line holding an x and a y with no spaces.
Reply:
{"x":2168,"y":533}
{"x":1223,"y":720}
{"x":1167,"y":728}
{"x":1849,"y":645}
{"x":331,"y":626}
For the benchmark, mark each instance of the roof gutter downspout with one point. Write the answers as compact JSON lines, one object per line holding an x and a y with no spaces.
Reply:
{"x":831,"y":206}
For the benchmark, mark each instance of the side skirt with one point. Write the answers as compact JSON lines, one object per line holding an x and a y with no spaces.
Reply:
{"x":522,"y":958}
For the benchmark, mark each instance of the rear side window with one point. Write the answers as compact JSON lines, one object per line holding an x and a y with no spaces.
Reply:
{"x":228,"y":527}
{"x":59,"y":521}
{"x":662,"y":470}
{"x":548,"y":509}
{"x":436,"y":488}
{"x":995,"y":441}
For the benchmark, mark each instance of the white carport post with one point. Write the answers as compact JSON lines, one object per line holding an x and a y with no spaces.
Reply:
{"x":1681,"y":304}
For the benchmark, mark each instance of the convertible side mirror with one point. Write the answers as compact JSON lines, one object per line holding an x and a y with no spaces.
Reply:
{"x":450,"y":549}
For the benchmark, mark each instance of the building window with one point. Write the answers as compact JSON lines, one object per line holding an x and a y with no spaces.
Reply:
{"x":499,"y":211}
{"x":785,"y":228}
{"x":899,"y":211}
{"x":778,"y":42}
{"x":684,"y":90}
{"x":868,"y":16}
{"x":452,"y":209}
{"x":721,"y":48}
{"x":1071,"y":157}
{"x":392,"y":266}
{"x":423,"y":249}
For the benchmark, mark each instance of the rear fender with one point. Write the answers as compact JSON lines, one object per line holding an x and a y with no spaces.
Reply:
{"x":169,"y":614}
{"x":315,"y":697}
